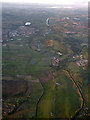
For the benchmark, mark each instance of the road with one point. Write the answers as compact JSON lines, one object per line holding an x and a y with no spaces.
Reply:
{"x":47,"y":21}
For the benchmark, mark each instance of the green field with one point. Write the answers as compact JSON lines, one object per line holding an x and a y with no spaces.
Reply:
{"x":45,"y":107}
{"x":61,"y":100}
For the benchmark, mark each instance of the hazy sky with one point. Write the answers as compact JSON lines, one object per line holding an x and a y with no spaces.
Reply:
{"x":50,"y":1}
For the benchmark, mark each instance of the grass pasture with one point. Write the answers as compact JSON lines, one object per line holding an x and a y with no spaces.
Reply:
{"x":66,"y":97}
{"x":45,"y":107}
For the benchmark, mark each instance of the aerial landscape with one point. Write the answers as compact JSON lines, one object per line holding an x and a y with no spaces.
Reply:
{"x":44,"y":62}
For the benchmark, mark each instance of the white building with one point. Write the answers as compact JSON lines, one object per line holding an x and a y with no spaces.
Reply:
{"x":59,"y":53}
{"x":27,"y":23}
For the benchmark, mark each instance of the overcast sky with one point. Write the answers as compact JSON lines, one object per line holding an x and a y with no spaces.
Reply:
{"x":50,"y":1}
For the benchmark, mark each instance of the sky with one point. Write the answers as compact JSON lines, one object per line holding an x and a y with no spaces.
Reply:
{"x":68,"y":2}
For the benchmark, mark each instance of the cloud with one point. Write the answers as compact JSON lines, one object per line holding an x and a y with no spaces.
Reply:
{"x":50,"y":1}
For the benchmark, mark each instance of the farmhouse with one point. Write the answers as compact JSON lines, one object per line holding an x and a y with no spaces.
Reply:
{"x":59,"y":53}
{"x":58,"y":84}
{"x":74,"y":23}
{"x":55,"y":61}
{"x":82,"y":62}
